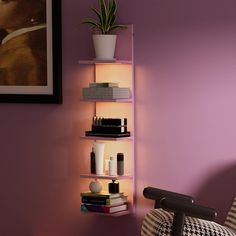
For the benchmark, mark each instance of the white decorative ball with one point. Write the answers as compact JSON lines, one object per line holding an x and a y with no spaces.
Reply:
{"x":95,"y":186}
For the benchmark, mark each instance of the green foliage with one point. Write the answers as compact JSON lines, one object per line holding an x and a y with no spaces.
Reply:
{"x":106,"y":17}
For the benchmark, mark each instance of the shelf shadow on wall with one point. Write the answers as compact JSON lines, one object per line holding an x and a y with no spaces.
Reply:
{"x":218,"y":191}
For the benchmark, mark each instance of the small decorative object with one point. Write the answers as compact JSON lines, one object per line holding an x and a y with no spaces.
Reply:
{"x":104,"y":43}
{"x":92,"y":162}
{"x":120,"y":163}
{"x":99,"y":157}
{"x":95,"y":186}
{"x":112,"y":166}
{"x":113,"y":187}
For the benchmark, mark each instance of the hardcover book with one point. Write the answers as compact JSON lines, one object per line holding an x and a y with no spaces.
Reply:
{"x":106,"y":93}
{"x":103,"y":84}
{"x":104,"y":200}
{"x":114,"y":121}
{"x":109,"y":129}
{"x":102,"y":194}
{"x":103,"y":209}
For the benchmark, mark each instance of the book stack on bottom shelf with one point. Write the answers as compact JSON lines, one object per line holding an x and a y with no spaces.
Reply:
{"x":104,"y":202}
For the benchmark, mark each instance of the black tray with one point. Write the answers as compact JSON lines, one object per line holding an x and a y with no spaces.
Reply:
{"x":120,"y":135}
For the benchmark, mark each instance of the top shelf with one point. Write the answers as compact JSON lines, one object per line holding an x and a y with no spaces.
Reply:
{"x":105,"y":62}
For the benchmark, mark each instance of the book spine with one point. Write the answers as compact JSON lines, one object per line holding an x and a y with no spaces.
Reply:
{"x":103,"y":200}
{"x":109,"y":129}
{"x":103,"y":209}
{"x":95,"y":200}
{"x":95,"y":208}
{"x":114,"y":121}
{"x":102,"y":195}
{"x":102,"y":85}
{"x":106,"y":93}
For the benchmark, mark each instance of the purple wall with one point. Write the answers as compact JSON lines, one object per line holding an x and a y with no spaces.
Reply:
{"x":185,"y":59}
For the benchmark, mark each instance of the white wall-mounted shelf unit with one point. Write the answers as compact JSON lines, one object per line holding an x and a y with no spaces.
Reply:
{"x":121,"y":71}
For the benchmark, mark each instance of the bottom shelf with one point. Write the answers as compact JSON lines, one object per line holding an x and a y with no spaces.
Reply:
{"x":115,"y":177}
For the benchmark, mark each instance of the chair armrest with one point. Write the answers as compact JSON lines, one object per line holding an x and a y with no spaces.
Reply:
{"x":157,"y":194}
{"x":189,"y":209}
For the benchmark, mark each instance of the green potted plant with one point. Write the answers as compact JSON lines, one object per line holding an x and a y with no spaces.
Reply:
{"x":104,"y":43}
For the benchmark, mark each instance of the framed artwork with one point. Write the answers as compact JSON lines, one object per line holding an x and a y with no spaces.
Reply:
{"x":30,"y":51}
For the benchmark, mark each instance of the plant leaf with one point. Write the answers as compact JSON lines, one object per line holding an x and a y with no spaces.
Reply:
{"x":98,"y":14}
{"x":118,"y":26}
{"x":92,"y":23}
{"x":103,"y":29}
{"x":106,"y":17}
{"x":112,"y":7}
{"x":111,"y":21}
{"x":103,"y":13}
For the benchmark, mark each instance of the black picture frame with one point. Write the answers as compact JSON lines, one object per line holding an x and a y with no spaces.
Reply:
{"x":55,"y":94}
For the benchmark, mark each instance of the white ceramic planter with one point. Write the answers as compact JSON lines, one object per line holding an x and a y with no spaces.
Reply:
{"x":104,"y":45}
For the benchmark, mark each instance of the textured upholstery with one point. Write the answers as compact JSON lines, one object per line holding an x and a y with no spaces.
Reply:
{"x":159,"y":222}
{"x":230,"y":221}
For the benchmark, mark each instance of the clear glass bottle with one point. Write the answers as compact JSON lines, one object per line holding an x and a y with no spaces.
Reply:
{"x":112,"y":166}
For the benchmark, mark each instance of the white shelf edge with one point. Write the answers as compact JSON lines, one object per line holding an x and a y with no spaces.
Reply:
{"x":129,"y":100}
{"x":94,"y":176}
{"x":96,"y":62}
{"x":120,"y":213}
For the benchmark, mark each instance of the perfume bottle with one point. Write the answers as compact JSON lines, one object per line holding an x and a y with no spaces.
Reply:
{"x":120,"y":163}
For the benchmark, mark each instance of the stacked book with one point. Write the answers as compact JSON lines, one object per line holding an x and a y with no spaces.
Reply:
{"x":103,"y":202}
{"x":105,"y":90}
{"x":108,"y":127}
